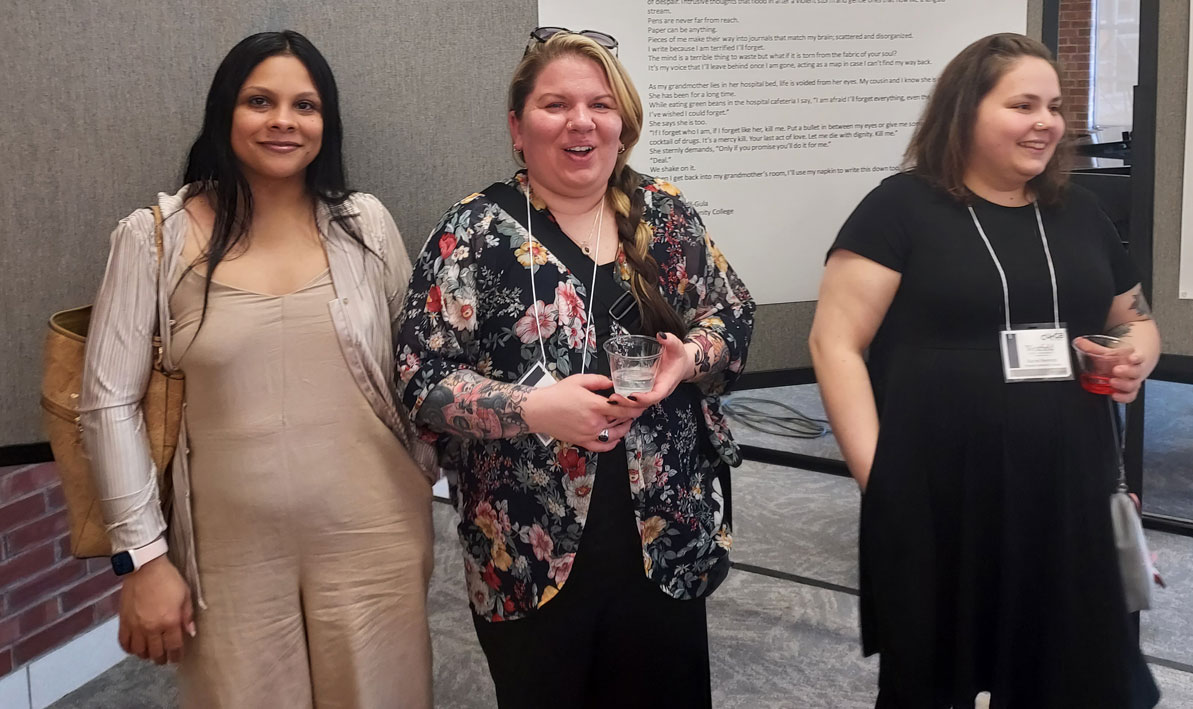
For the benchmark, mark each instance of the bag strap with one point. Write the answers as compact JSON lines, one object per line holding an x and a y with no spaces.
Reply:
{"x":159,"y":241}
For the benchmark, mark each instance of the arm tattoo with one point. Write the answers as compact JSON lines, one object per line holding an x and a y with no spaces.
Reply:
{"x":712,"y":354}
{"x":1121,"y":330}
{"x":473,"y":406}
{"x":1139,"y":305}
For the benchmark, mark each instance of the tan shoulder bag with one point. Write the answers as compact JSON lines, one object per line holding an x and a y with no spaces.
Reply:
{"x":61,"y":383}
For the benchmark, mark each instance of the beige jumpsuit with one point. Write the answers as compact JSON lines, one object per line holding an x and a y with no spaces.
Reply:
{"x":312,"y":523}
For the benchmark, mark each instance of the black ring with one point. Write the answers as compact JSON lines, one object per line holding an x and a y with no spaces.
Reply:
{"x":603,"y":436}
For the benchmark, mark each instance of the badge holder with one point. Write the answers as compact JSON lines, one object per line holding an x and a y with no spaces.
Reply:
{"x":1037,"y":352}
{"x":1032,"y":352}
{"x":539,"y":377}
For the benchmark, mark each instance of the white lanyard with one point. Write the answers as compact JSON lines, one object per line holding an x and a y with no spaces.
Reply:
{"x":588,"y":326}
{"x":1006,"y":297}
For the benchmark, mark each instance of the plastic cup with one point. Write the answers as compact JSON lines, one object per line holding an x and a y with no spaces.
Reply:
{"x":1096,"y":369}
{"x":633,"y":362}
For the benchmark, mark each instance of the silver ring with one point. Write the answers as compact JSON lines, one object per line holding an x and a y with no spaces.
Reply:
{"x":603,"y":436}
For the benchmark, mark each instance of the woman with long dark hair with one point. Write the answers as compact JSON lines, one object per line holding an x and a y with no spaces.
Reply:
{"x":987,"y":553}
{"x":300,"y":523}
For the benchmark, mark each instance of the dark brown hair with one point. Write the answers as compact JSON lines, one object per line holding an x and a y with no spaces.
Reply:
{"x":623,"y":193}
{"x":939,"y":149}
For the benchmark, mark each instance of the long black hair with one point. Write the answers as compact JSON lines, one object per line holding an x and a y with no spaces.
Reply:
{"x":214,"y":166}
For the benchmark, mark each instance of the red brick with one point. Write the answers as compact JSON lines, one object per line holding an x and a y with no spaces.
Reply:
{"x":26,"y":565}
{"x":38,"y":617}
{"x":53,"y":636}
{"x":46,"y":528}
{"x":64,"y":548}
{"x":107,"y":606}
{"x":100,"y":563}
{"x":45,"y":585}
{"x":18,"y":482}
{"x":55,"y":498}
{"x":22,"y":512}
{"x":9,"y":631}
{"x":86,"y":591}
{"x":5,"y":662}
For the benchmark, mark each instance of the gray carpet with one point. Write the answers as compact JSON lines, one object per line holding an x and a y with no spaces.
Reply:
{"x":777,"y":642}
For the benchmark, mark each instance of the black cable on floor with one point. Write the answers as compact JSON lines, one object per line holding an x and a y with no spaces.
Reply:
{"x":781,"y":420}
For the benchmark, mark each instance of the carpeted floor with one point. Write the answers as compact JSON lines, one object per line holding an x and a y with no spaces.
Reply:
{"x":783,"y":635}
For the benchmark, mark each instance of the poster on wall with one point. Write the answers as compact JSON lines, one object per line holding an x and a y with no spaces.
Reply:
{"x":775,"y":117}
{"x":1185,"y":286}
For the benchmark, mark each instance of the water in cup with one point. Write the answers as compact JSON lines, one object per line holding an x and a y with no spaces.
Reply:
{"x":633,"y":380}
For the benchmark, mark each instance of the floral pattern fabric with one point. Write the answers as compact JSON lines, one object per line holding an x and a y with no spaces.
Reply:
{"x":523,"y":505}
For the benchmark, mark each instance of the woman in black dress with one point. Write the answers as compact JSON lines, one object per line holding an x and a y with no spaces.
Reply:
{"x":987,"y":559}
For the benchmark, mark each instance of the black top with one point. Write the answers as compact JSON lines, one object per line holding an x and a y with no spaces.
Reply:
{"x":912,"y":227}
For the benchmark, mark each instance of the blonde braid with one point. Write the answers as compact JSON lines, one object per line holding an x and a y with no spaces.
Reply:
{"x":657,"y":315}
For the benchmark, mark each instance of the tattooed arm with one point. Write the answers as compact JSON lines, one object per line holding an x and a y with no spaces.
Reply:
{"x":708,"y":351}
{"x":470,"y":405}
{"x":1130,"y":319}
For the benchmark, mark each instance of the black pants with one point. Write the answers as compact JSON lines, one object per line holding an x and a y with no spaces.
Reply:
{"x":610,"y":638}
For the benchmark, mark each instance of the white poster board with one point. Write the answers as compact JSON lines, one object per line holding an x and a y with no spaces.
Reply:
{"x":1185,"y":286}
{"x":775,"y":117}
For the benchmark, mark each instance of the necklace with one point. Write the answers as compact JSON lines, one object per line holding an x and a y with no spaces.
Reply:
{"x":584,"y":246}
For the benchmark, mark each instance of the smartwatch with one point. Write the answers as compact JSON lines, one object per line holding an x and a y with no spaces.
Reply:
{"x":129,"y":561}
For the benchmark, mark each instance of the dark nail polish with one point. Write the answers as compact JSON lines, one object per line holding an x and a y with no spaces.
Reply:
{"x":631,"y":397}
{"x":613,"y":402}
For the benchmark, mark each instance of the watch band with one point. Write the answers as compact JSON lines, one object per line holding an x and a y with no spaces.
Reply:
{"x":129,"y":561}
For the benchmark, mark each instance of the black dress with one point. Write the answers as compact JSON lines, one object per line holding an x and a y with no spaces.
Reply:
{"x":987,"y":561}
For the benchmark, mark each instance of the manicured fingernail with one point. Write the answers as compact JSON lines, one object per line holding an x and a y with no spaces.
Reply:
{"x":631,"y":397}
{"x":191,"y":630}
{"x":612,"y":402}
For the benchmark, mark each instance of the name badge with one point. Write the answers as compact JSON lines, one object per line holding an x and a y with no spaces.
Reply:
{"x":538,"y":376}
{"x":1032,"y":353}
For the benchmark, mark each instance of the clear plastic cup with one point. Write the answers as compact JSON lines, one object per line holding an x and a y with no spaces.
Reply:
{"x":633,"y":362}
{"x":1096,"y":369}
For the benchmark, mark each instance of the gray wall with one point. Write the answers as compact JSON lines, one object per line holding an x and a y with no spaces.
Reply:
{"x":1174,"y":316}
{"x":101,"y":102}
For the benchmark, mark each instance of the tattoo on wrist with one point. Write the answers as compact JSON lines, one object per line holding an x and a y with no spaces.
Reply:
{"x":712,"y":355}
{"x":1140,"y":306}
{"x":473,"y":406}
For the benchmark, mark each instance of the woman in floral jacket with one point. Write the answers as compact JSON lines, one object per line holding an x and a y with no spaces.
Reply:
{"x":602,"y":543}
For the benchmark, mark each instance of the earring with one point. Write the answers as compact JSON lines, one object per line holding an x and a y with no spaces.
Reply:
{"x":621,"y":149}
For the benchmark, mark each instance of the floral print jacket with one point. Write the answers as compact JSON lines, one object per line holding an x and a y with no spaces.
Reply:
{"x":522,"y":504}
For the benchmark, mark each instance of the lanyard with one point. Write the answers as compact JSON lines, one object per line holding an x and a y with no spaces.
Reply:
{"x":1006,"y":298}
{"x":588,"y":326}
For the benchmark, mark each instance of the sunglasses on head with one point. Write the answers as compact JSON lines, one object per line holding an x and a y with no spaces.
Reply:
{"x":542,"y":34}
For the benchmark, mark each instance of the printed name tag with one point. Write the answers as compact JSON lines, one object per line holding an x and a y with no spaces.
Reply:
{"x":1035,"y":354}
{"x":538,"y":376}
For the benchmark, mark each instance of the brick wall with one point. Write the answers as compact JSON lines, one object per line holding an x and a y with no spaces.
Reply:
{"x":47,"y":596}
{"x":1073,"y":55}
